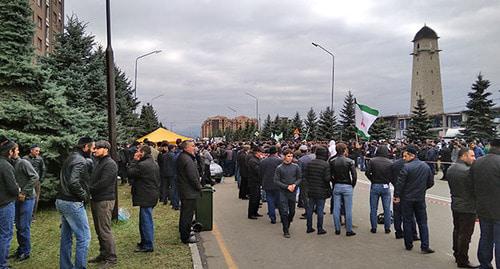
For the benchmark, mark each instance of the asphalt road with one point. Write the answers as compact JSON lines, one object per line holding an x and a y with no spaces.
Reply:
{"x":238,"y":242}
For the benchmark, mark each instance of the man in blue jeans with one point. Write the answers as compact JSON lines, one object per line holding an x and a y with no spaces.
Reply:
{"x":413,"y":181}
{"x":379,"y":172}
{"x":484,"y":174}
{"x":73,"y":192}
{"x":267,"y":168}
{"x":344,"y":177}
{"x":26,"y":177}
{"x":9,"y":191}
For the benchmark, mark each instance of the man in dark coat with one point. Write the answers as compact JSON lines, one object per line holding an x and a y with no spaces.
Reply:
{"x":171,"y":173}
{"x":189,"y":189}
{"x":254,"y":182}
{"x":445,"y":158}
{"x":485,"y":176}
{"x":267,"y":168}
{"x":317,"y":177}
{"x":162,"y":163}
{"x":413,"y":181}
{"x":102,"y":202}
{"x":242,"y":165}
{"x":462,"y":207}
{"x":39,"y":165}
{"x":145,"y":193}
{"x":9,"y":191}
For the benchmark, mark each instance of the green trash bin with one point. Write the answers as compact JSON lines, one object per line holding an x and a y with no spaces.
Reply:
{"x":204,"y":208}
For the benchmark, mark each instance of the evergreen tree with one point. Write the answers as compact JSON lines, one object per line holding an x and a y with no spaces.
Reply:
{"x":297,"y":122}
{"x":16,"y":52}
{"x":276,"y":125}
{"x":328,"y":127}
{"x":267,"y":128}
{"x":347,"y":118}
{"x":126,"y":104}
{"x":381,"y":130}
{"x":479,"y":123}
{"x":311,"y":125}
{"x":420,"y":123}
{"x":149,"y":120}
{"x":285,"y":128}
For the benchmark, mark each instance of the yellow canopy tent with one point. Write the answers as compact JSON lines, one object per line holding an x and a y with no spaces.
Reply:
{"x":162,"y":134}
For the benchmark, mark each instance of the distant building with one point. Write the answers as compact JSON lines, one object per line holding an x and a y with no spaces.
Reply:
{"x":48,"y":17}
{"x":215,"y":126}
{"x":426,"y":71}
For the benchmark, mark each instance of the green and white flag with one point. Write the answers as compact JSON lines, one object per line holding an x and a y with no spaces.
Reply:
{"x":365,"y":116}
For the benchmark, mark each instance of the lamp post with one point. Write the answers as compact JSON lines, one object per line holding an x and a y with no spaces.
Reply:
{"x":111,"y":99}
{"x":234,"y":110}
{"x":135,"y":70}
{"x":156,"y":97}
{"x":256,"y":109}
{"x":333,"y":67}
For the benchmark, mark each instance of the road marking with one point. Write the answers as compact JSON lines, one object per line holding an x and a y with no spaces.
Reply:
{"x":225,"y":252}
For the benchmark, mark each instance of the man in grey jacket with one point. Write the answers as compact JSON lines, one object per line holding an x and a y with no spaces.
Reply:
{"x":462,"y":207}
{"x":287,"y":177}
{"x":485,"y":176}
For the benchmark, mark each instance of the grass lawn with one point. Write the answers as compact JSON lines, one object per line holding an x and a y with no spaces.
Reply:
{"x":169,"y":251}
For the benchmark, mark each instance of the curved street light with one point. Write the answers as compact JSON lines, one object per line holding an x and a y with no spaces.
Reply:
{"x":333,"y":66}
{"x":256,"y":108}
{"x":135,"y":72}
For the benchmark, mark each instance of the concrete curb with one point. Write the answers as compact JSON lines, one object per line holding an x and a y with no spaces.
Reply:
{"x":195,"y":256}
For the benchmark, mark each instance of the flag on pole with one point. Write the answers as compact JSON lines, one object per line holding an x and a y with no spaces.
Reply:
{"x":365,"y":116}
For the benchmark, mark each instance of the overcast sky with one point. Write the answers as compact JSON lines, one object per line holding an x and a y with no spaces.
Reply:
{"x":215,"y":51}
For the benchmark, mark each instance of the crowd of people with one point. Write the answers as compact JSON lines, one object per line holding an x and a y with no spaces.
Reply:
{"x":285,"y":175}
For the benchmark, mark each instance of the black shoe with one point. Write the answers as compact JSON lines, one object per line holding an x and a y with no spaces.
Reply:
{"x":286,"y":235}
{"x":252,"y":217}
{"x":416,"y":238}
{"x":191,"y":240}
{"x":303,"y":217}
{"x":467,"y":265}
{"x":387,"y":231}
{"x":259,"y":215}
{"x":350,"y":233}
{"x":273,"y":221}
{"x":373,"y":231}
{"x":399,"y":236}
{"x":427,"y":251}
{"x":13,"y":256}
{"x":337,"y":232}
{"x":409,"y":247}
{"x":22,"y":257}
{"x":139,"y":249}
{"x":310,"y":231}
{"x":99,"y":258}
{"x":321,"y":231}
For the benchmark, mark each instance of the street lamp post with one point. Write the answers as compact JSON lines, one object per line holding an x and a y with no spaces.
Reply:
{"x":135,"y":70}
{"x":333,"y":67}
{"x":111,"y":99}
{"x":234,"y":110}
{"x":256,"y":109}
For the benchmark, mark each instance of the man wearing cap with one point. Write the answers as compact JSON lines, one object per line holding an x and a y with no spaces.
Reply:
{"x":412,"y":183}
{"x":102,"y":202}
{"x":254,"y":182}
{"x":37,"y":162}
{"x":485,"y":176}
{"x":73,"y":192}
{"x":9,"y":191}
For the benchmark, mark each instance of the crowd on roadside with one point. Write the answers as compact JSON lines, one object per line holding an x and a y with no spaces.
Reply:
{"x":285,"y":175}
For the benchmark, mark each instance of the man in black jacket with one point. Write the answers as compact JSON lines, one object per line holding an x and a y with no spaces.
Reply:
{"x":103,"y":195}
{"x":462,"y":207}
{"x":344,"y":177}
{"x":145,"y":193}
{"x":9,"y":191}
{"x":317,"y":178}
{"x":73,"y":192}
{"x":485,"y":176}
{"x":189,"y":189}
{"x":413,"y":181}
{"x":254,"y":182}
{"x":267,"y":168}
{"x":380,"y":174}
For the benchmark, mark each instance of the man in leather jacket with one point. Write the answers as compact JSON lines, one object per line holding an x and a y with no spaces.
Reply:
{"x":73,"y":192}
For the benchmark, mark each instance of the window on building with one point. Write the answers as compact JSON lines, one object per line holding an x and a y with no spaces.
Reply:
{"x":418,"y":46}
{"x":39,"y":22}
{"x":417,"y":73}
{"x":432,"y":71}
{"x":39,"y":2}
{"x":432,"y":92}
{"x":39,"y":43}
